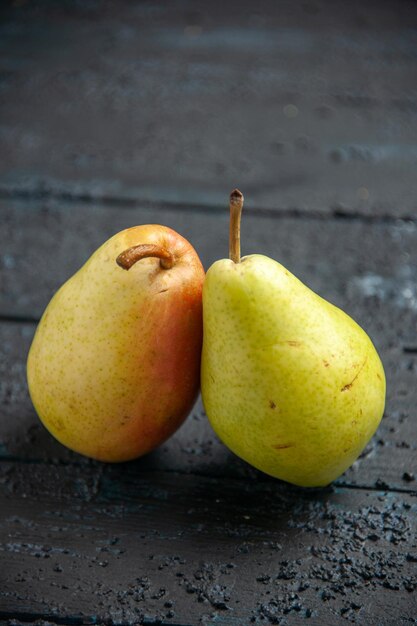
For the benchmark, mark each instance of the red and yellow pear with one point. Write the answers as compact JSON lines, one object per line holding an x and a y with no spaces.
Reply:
{"x":114,"y":366}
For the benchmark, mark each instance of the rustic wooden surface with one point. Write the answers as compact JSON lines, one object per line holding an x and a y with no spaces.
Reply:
{"x":119,"y":113}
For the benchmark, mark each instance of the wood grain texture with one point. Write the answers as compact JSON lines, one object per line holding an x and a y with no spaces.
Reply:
{"x":120,"y":113}
{"x":194,"y":550}
{"x":307,"y":105}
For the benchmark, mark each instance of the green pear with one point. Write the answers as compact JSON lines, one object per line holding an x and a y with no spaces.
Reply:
{"x":290,"y":383}
{"x":114,"y":367}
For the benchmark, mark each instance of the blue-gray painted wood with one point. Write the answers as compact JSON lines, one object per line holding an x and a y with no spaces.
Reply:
{"x":113,"y":114}
{"x":198,"y":550}
{"x":307,"y":105}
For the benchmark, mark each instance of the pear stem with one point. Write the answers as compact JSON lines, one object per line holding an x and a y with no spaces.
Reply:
{"x":236,"y":205}
{"x":132,"y":255}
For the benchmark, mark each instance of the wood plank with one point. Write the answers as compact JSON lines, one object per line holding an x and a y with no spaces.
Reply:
{"x":390,"y":460}
{"x":194,"y":550}
{"x":43,"y":243}
{"x":309,"y":106}
{"x":353,"y":263}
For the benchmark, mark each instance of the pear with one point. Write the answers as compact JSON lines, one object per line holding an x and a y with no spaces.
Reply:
{"x":290,"y":383}
{"x":114,"y":367}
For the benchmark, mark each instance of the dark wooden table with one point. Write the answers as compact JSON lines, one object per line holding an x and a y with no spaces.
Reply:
{"x":119,"y":113}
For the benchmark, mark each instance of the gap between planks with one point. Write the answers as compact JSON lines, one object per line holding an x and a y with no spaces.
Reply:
{"x":157,"y":472}
{"x":276,"y":212}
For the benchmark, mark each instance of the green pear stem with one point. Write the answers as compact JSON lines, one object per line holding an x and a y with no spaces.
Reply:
{"x":132,"y":255}
{"x":236,"y":205}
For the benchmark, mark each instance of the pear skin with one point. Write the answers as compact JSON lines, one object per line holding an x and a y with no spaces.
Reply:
{"x":290,"y":383}
{"x":114,"y":366}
